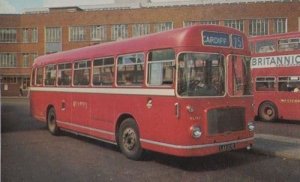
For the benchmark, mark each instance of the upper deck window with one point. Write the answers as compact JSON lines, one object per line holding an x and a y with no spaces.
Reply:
{"x":265,"y":46}
{"x":289,"y":44}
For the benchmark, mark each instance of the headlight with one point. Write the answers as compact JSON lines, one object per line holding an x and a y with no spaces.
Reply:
{"x":251,"y":126}
{"x":196,"y":131}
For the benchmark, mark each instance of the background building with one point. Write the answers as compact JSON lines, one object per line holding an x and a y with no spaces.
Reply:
{"x":25,"y":36}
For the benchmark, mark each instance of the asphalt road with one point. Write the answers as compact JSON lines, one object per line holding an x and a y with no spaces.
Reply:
{"x":279,"y":128}
{"x":30,"y":153}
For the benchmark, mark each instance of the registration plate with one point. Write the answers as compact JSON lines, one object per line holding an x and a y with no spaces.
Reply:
{"x":227,"y":147}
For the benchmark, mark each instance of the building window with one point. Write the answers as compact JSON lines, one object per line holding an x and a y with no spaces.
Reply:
{"x":53,"y":40}
{"x":30,"y":35}
{"x":77,"y":33}
{"x":8,"y":35}
{"x":9,"y":80}
{"x":8,"y":60}
{"x":160,"y":27}
{"x":25,"y":35}
{"x":34,"y":56}
{"x":34,"y":34}
{"x":119,"y":31}
{"x":205,"y":22}
{"x":53,"y":34}
{"x":237,"y":24}
{"x":280,"y":25}
{"x":98,"y":33}
{"x":259,"y":27}
{"x":25,"y":60}
{"x":140,"y":29}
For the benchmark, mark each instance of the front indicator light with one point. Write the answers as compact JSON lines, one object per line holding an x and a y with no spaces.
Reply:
{"x":196,"y":132}
{"x":251,"y":126}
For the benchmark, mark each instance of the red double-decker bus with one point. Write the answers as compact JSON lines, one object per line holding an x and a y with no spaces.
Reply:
{"x":276,"y":71}
{"x":184,"y":92}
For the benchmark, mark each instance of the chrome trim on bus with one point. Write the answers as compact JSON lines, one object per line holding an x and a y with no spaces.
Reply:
{"x":89,"y":136}
{"x":88,"y":128}
{"x":127,"y":91}
{"x":194,"y":146}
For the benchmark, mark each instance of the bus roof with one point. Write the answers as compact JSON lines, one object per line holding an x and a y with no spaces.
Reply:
{"x":275,"y":36}
{"x":169,"y":39}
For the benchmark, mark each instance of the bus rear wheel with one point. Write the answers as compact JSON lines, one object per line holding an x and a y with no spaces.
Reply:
{"x":51,"y":122}
{"x":129,"y":139}
{"x":267,"y":112}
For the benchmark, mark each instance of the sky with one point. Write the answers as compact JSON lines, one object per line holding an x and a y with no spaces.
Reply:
{"x":18,"y":6}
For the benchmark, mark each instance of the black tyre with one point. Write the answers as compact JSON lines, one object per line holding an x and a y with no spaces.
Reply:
{"x":129,"y":139}
{"x":267,"y":112}
{"x":51,"y":122}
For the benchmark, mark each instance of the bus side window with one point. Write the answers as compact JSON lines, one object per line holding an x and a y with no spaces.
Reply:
{"x":64,"y":74}
{"x":161,"y":64}
{"x":50,"y":76}
{"x":130,"y":70}
{"x":103,"y":72}
{"x":33,"y":76}
{"x":82,"y":71}
{"x":265,"y":84}
{"x":39,"y":77}
{"x":289,"y":84}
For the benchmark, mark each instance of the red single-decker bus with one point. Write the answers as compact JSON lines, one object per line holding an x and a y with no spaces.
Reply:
{"x":184,"y":92}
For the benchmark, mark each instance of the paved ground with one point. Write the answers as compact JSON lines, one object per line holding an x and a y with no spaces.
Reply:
{"x":280,"y":146}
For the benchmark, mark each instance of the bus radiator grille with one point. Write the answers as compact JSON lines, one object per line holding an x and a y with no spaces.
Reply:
{"x":224,"y":120}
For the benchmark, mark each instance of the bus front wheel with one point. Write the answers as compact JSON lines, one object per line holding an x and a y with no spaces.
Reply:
{"x":267,"y":112}
{"x":51,"y":122}
{"x":129,"y":139}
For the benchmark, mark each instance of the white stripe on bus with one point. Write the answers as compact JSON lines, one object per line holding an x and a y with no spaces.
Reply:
{"x":87,"y":128}
{"x":127,"y":91}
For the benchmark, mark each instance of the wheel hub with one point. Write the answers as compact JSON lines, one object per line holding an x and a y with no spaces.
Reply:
{"x":129,"y":139}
